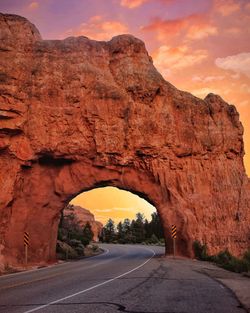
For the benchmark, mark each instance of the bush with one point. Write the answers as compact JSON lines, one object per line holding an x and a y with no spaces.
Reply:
{"x":236,"y":265}
{"x":87,"y":234}
{"x":95,"y":248}
{"x":229,"y":262}
{"x":121,"y":241}
{"x":246,"y":256}
{"x":80,"y":250}
{"x":200,"y":251}
{"x":75,"y":243}
{"x":224,"y":258}
{"x":153,"y":239}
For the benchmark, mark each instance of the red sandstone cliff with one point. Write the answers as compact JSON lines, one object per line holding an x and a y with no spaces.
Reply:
{"x":77,"y":114}
{"x":83,"y":216}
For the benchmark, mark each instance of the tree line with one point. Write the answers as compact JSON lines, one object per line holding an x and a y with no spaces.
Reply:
{"x":139,"y":230}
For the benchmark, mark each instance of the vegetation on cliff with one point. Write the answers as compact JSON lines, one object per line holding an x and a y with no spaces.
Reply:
{"x":224,"y":258}
{"x":73,"y":238}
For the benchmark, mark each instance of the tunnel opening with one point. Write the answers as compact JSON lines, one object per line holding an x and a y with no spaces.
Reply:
{"x":107,"y":214}
{"x":50,"y":195}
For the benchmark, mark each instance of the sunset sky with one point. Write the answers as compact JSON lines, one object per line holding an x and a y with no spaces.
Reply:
{"x":115,"y":203}
{"x":200,"y":46}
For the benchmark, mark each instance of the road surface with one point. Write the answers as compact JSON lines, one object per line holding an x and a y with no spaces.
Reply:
{"x":126,"y":278}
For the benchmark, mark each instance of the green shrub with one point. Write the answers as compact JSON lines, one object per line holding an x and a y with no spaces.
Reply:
{"x":74,"y":243}
{"x":224,"y":258}
{"x":80,"y":250}
{"x":237,"y":265}
{"x":231,"y":263}
{"x":95,"y":248}
{"x":200,"y":251}
{"x":153,"y":239}
{"x":246,"y":256}
{"x":121,"y":241}
{"x":87,"y":234}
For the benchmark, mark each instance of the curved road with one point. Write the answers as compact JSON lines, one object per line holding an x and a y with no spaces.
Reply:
{"x":126,"y":278}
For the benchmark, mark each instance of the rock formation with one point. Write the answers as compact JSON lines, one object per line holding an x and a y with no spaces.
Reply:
{"x":76,"y":114}
{"x":83,"y":216}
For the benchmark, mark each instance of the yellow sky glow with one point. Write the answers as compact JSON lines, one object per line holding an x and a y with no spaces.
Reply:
{"x":111,"y":202}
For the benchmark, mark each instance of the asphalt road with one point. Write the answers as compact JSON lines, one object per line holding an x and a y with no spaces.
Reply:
{"x":125,"y":278}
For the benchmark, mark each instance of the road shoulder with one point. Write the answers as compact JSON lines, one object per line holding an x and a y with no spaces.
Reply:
{"x":237,"y":283}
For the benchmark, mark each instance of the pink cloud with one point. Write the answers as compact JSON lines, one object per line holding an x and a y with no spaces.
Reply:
{"x":247,"y":6}
{"x":226,"y":7}
{"x":233,"y":30}
{"x":193,"y":27}
{"x":167,"y":59}
{"x":99,"y":29}
{"x":239,"y":63}
{"x":201,"y":31}
{"x":33,"y":5}
{"x":132,"y":4}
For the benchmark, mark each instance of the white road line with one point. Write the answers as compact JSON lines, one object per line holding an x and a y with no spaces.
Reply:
{"x":91,"y":288}
{"x":50,"y":266}
{"x":106,"y":252}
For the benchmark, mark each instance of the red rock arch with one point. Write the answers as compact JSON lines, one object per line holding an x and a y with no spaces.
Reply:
{"x":79,"y":113}
{"x":50,"y":190}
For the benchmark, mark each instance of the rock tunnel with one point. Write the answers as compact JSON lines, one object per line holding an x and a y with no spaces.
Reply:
{"x":77,"y":114}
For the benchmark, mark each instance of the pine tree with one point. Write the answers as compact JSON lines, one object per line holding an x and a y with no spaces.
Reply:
{"x":147,"y":229}
{"x":109,"y":231}
{"x":126,"y":225}
{"x":120,"y":233}
{"x":137,"y":227}
{"x":136,"y":231}
{"x":156,"y":226}
{"x":87,"y":234}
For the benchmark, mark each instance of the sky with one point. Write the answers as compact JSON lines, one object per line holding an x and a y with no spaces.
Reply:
{"x":200,"y":46}
{"x":113,"y":203}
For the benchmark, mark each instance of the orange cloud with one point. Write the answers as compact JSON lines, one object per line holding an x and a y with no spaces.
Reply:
{"x":239,"y":63}
{"x":226,"y":7}
{"x":132,"y":4}
{"x":245,"y":88}
{"x":233,"y":30}
{"x":192,"y":27}
{"x":33,"y":5}
{"x":207,"y":79}
{"x":165,"y":29}
{"x":247,"y":6}
{"x":168,"y":58}
{"x":99,"y":29}
{"x":201,"y":31}
{"x":203,"y":92}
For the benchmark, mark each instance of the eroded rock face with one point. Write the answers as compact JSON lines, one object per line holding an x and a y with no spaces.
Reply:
{"x":84,"y":216}
{"x":78,"y":114}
